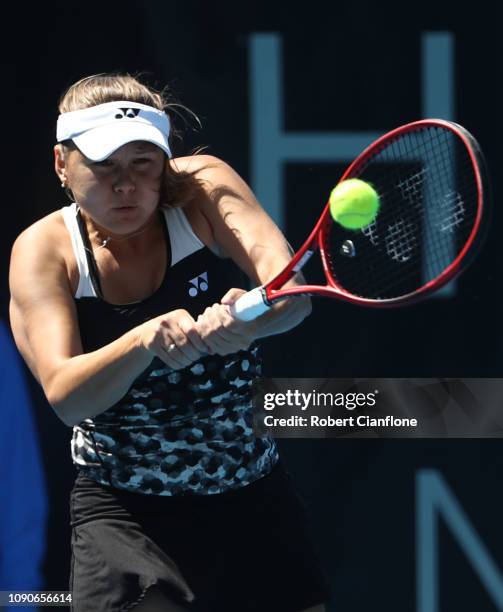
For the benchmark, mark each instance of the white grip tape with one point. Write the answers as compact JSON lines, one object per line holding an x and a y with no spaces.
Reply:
{"x":249,"y":306}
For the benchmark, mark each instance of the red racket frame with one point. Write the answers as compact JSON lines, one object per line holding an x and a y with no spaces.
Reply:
{"x":318,"y":235}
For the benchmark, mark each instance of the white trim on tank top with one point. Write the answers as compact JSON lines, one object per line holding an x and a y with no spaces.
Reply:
{"x":183,"y":241}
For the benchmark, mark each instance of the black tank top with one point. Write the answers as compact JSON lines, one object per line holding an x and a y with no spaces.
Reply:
{"x":173,"y":433}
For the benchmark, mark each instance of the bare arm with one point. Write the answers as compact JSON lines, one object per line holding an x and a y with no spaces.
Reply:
{"x":45,"y":327}
{"x":246,"y":232}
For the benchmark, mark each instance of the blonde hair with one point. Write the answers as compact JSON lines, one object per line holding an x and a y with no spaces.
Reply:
{"x":178,"y":188}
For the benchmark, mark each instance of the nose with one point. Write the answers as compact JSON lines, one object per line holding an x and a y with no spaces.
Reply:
{"x":124,"y":183}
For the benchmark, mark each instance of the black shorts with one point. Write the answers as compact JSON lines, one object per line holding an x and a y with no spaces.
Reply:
{"x":244,"y":550}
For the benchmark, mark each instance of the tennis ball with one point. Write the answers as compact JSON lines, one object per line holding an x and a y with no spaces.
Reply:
{"x":354,"y":204}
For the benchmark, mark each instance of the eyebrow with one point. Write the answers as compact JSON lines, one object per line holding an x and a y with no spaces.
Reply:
{"x":146,"y":146}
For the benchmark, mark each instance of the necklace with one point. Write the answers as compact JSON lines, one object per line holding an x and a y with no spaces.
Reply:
{"x":105,"y":241}
{"x":109,"y":238}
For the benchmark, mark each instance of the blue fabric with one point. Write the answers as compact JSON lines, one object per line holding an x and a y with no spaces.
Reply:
{"x":23,"y":509}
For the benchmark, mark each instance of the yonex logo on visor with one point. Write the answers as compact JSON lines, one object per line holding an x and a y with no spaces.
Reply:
{"x":97,"y":133}
{"x":127,"y":112}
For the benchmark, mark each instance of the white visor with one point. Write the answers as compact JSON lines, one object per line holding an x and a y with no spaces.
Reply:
{"x":100,"y":130}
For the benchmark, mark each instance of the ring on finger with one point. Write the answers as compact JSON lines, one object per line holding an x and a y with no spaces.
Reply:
{"x":171,"y":347}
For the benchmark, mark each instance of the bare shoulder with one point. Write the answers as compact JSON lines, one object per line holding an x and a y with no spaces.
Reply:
{"x":42,"y":310}
{"x":47,"y":240}
{"x":218,"y":180}
{"x":238,"y":224}
{"x":195,"y":163}
{"x":197,"y":208}
{"x":46,"y":234}
{"x":38,"y":265}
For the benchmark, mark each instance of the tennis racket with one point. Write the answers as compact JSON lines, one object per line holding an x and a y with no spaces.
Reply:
{"x":431,"y":180}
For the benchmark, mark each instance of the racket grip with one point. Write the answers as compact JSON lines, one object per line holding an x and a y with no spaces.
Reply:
{"x":250,"y":305}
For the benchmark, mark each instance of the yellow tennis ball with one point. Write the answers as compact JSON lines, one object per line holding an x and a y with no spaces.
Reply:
{"x":354,"y":203}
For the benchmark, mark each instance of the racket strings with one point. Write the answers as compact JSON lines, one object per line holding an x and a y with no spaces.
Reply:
{"x":429,"y":200}
{"x":407,"y":237}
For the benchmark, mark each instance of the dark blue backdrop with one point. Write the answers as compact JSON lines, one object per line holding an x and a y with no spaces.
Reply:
{"x":345,"y":67}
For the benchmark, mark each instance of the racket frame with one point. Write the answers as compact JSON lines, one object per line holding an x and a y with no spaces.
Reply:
{"x":271,"y":291}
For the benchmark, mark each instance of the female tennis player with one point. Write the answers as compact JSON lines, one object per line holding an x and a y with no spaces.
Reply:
{"x":120,"y":307}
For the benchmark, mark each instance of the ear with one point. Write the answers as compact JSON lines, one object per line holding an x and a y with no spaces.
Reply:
{"x":60,"y":165}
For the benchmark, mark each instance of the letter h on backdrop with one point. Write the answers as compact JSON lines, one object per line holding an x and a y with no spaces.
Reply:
{"x":271,"y":146}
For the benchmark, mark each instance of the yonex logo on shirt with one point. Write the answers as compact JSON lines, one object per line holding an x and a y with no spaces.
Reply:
{"x":198,"y":283}
{"x":127,"y":112}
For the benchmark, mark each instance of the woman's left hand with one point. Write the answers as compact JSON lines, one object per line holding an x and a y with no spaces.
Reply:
{"x":221,"y":331}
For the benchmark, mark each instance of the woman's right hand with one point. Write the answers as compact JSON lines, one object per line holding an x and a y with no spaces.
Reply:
{"x":173,"y":338}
